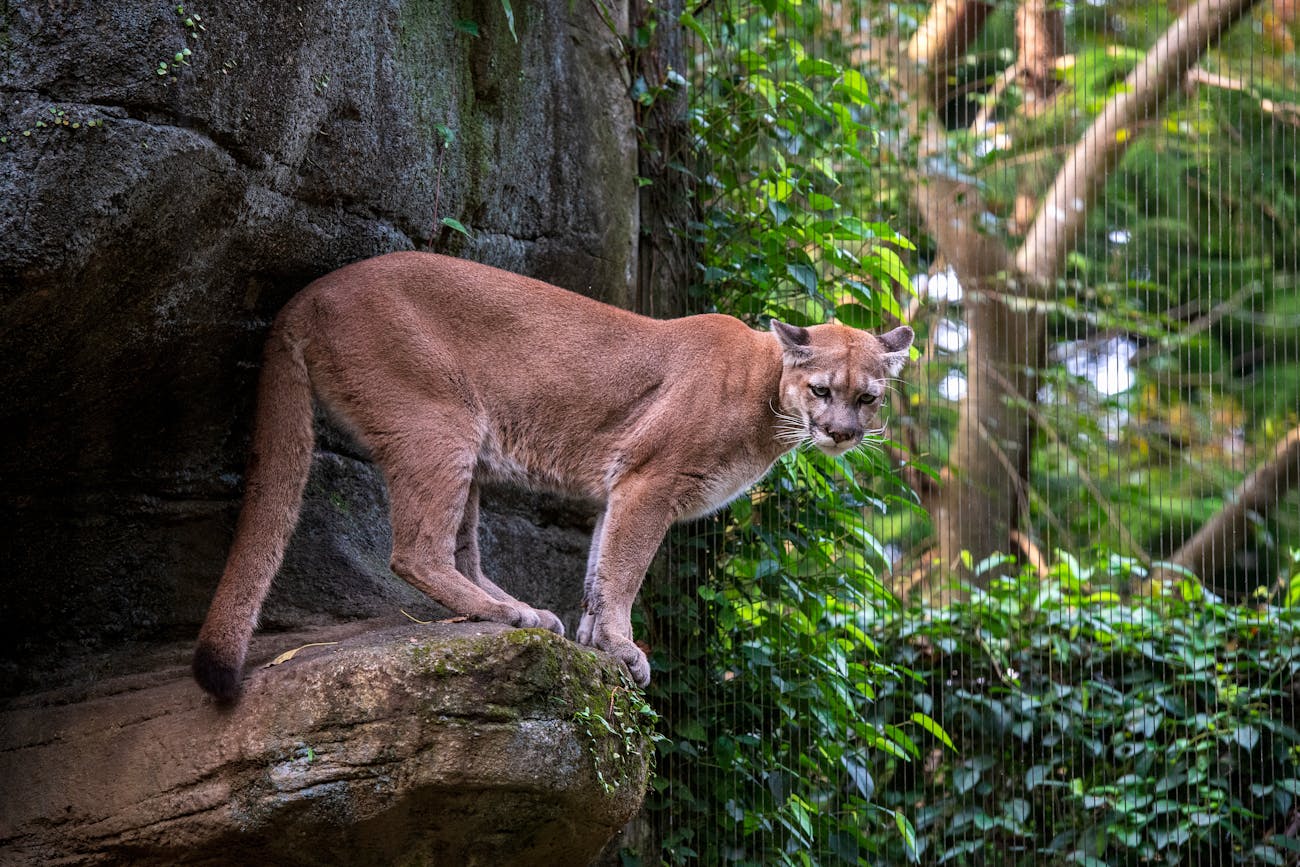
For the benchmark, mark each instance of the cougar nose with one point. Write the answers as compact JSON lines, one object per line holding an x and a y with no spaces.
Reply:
{"x":839,"y":435}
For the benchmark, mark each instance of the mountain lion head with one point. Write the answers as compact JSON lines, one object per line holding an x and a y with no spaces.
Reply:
{"x":833,"y":380}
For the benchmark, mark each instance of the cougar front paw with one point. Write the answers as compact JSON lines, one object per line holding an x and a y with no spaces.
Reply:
{"x":631,"y":656}
{"x":547,"y":620}
{"x":586,"y":630}
{"x":519,"y":615}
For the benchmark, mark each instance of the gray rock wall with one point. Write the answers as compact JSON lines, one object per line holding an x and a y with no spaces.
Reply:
{"x":151,"y":226}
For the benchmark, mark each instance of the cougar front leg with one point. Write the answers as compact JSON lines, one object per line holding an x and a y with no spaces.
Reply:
{"x":588,"y":622}
{"x":635,"y":521}
{"x":467,"y":562}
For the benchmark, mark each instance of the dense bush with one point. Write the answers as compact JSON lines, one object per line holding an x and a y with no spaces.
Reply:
{"x":1088,"y":729}
{"x":763,"y":683}
{"x":762,"y":665}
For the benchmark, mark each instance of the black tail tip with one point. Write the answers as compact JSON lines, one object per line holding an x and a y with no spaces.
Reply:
{"x":219,"y":678}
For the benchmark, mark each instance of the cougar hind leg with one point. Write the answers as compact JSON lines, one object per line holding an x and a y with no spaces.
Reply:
{"x":428,"y":486}
{"x":469,"y":565}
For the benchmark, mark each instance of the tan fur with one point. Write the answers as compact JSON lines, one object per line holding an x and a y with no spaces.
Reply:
{"x":453,"y":373}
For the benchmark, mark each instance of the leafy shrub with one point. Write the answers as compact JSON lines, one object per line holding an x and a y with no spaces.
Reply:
{"x":1089,"y":729}
{"x":763,"y":685}
{"x":763,"y":664}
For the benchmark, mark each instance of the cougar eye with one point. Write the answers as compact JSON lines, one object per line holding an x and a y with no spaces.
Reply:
{"x":819,"y":390}
{"x":869,"y":399}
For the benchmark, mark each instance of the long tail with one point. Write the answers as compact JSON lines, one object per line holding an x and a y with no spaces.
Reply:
{"x":278,"y":465}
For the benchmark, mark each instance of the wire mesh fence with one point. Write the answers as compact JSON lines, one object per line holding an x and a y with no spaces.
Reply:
{"x":1046,"y":614}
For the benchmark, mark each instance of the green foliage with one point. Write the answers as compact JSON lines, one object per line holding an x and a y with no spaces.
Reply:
{"x":784,"y":142}
{"x":58,"y":119}
{"x":766,"y":684}
{"x":764,"y":667}
{"x":194,"y":28}
{"x":616,"y":734}
{"x":509,"y":12}
{"x":1181,"y":293}
{"x":1093,"y":730}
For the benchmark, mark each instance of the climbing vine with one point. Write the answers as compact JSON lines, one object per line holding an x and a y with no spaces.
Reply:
{"x":615,"y":734}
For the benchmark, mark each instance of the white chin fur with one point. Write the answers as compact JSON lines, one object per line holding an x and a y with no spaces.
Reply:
{"x":828,"y":446}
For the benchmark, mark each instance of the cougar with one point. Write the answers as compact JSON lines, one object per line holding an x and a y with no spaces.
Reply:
{"x":453,"y":374}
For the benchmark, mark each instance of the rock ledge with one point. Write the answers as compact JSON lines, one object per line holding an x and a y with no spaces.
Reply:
{"x":462,"y":744}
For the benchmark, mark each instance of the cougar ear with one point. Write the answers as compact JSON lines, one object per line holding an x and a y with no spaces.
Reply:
{"x":896,"y":343}
{"x":898,"y":340}
{"x":794,"y":341}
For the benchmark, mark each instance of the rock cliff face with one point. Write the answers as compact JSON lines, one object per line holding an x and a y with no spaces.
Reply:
{"x":466,"y":744}
{"x":155,"y":218}
{"x":170,"y":174}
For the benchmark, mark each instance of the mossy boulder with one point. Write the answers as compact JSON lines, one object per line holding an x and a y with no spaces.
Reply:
{"x":463,"y":743}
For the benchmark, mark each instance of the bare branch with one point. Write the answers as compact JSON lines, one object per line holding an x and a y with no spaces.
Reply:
{"x":1060,"y":220}
{"x":950,"y":27}
{"x":1040,"y":35}
{"x":1211,"y":549}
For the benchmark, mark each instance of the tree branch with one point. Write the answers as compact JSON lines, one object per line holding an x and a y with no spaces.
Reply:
{"x":1212,"y":547}
{"x":1061,"y":218}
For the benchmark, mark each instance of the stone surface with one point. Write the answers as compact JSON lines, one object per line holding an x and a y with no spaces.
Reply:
{"x":146,"y":244}
{"x":448,"y":744}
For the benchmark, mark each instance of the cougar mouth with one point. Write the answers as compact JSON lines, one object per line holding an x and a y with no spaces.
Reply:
{"x":827,"y":445}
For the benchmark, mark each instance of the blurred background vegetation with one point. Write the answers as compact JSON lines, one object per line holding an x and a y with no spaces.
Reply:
{"x":1048,"y":618}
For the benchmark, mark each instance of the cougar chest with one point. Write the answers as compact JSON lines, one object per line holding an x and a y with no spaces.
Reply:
{"x":727,"y":483}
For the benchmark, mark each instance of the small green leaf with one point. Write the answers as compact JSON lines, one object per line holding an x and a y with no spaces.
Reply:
{"x":780,"y":210}
{"x":1037,"y":775}
{"x":693,"y":24}
{"x":510,"y":18}
{"x":909,"y":835}
{"x":819,"y":202}
{"x":928,"y":723}
{"x":464,"y":25}
{"x":812,"y":68}
{"x":855,"y":316}
{"x":964,"y":778}
{"x":456,"y":225}
{"x":780,"y":189}
{"x":765,"y":88}
{"x":1246,"y":737}
{"x":854,"y":86}
{"x":804,"y":275}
